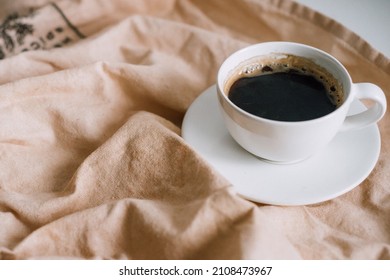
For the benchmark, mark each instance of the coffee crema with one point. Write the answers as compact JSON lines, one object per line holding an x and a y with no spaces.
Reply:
{"x":284,"y":88}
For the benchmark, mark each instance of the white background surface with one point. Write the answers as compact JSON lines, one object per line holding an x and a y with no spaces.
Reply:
{"x":370,"y":19}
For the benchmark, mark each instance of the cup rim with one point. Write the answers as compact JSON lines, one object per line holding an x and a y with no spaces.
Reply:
{"x":221,"y":83}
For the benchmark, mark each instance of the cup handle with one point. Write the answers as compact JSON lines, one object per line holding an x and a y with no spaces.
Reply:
{"x":371,"y":115}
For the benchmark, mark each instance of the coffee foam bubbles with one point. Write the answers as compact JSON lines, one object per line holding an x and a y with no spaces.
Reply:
{"x":264,"y":65}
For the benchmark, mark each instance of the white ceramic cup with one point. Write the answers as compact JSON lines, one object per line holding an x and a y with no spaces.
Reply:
{"x":289,"y":142}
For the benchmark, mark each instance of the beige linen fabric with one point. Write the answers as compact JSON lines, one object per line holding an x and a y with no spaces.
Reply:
{"x":92,"y":164}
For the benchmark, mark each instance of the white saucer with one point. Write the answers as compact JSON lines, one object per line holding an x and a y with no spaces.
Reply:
{"x":337,"y":169}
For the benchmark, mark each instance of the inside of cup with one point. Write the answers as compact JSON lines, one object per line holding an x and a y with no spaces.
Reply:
{"x":253,"y":58}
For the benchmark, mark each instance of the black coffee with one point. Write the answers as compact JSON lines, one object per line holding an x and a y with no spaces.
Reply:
{"x":285,"y":94}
